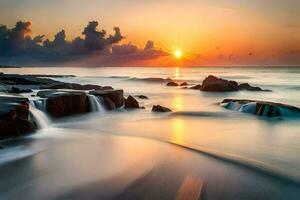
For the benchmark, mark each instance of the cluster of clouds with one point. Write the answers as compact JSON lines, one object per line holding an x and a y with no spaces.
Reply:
{"x":17,"y":41}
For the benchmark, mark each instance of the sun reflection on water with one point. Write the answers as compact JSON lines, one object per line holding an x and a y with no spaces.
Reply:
{"x":178,"y":131}
{"x":177,"y":72}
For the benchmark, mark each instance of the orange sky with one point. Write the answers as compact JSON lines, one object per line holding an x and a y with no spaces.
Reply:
{"x":209,"y":33}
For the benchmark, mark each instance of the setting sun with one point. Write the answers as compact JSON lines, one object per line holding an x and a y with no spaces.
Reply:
{"x":178,"y":53}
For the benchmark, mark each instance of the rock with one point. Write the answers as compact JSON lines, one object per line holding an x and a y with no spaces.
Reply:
{"x":17,"y":90}
{"x":173,"y":84}
{"x":261,"y":108}
{"x":159,"y":108}
{"x":131,"y":102}
{"x":247,"y":86}
{"x":14,"y":117}
{"x":214,"y":84}
{"x":183,"y":84}
{"x":116,"y":96}
{"x":16,"y":79}
{"x":196,"y":87}
{"x":66,"y":104}
{"x":142,"y":97}
{"x":72,"y":86}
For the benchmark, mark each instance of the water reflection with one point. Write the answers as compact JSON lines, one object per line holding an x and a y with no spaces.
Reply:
{"x":178,"y":131}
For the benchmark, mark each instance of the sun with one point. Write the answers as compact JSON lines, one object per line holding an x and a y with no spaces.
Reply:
{"x":177,"y":53}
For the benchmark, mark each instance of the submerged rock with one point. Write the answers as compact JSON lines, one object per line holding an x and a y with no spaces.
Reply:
{"x":131,"y":102}
{"x":14,"y":117}
{"x":67,"y":103}
{"x":173,"y":84}
{"x":73,"y":86}
{"x":196,"y":87}
{"x":247,"y":86}
{"x":183,"y":84}
{"x":115,"y":96}
{"x":142,"y":97}
{"x":261,"y":108}
{"x":19,"y":90}
{"x":159,"y":108}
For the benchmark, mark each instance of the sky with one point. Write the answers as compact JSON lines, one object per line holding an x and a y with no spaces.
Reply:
{"x":215,"y":32}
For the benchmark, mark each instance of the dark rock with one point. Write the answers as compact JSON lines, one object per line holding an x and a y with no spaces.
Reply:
{"x":116,"y":96}
{"x":183,"y":84}
{"x":16,"y":79}
{"x":262,"y":108}
{"x":173,"y":84}
{"x":196,"y":87}
{"x":247,"y":86}
{"x":66,"y":104}
{"x":72,"y":86}
{"x":19,"y":90}
{"x":153,"y":79}
{"x":14,"y":117}
{"x":159,"y":108}
{"x":214,"y":84}
{"x":142,"y":97}
{"x":131,"y":102}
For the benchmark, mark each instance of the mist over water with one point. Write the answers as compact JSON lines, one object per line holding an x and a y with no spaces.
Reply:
{"x":269,"y":145}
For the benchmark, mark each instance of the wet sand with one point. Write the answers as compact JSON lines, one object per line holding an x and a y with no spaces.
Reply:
{"x":95,"y":166}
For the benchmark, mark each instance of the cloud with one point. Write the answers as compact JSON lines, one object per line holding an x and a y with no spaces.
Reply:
{"x":18,"y":42}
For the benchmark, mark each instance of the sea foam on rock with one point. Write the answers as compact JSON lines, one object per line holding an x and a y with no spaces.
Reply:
{"x":261,"y":108}
{"x":112,"y":98}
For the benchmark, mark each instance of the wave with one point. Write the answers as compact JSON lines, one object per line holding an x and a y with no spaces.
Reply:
{"x":251,"y":164}
{"x":201,"y":114}
{"x":240,"y":161}
{"x":151,"y":79}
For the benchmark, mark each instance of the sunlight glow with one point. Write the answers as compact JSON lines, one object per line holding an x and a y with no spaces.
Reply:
{"x":178,"y":53}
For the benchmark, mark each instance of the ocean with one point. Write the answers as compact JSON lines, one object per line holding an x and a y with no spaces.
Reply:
{"x":269,"y":147}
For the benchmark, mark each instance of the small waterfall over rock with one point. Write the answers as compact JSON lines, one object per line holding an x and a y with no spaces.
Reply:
{"x":96,"y":103}
{"x":37,"y":110}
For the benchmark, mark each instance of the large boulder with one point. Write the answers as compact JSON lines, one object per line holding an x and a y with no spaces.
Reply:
{"x":115,"y":96}
{"x":131,"y":102}
{"x":214,"y":84}
{"x":159,"y":108}
{"x":14,"y":117}
{"x":261,"y":108}
{"x":67,"y":103}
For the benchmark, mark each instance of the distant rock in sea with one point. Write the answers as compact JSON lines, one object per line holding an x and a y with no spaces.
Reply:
{"x":261,"y":108}
{"x":173,"y":84}
{"x":142,"y":97}
{"x":159,"y":108}
{"x":215,"y":84}
{"x":131,"y":103}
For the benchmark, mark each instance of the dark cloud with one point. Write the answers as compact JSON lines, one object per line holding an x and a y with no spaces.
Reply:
{"x":17,"y":42}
